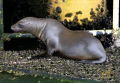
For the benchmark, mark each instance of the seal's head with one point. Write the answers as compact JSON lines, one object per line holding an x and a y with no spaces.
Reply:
{"x":31,"y":25}
{"x":23,"y":25}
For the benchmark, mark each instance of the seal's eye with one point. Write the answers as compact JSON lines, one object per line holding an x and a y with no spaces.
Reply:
{"x":20,"y":26}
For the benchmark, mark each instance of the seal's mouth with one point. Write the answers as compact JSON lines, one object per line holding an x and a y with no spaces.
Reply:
{"x":15,"y":29}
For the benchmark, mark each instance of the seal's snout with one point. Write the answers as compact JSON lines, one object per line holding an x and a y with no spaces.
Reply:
{"x":15,"y":28}
{"x":12,"y":27}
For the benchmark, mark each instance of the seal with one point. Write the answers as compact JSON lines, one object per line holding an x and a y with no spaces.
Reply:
{"x":78,"y":45}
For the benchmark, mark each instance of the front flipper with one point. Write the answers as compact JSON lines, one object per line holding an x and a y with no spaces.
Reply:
{"x":51,"y":47}
{"x":39,"y":56}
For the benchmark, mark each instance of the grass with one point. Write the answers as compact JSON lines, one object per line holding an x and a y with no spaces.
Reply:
{"x":11,"y":78}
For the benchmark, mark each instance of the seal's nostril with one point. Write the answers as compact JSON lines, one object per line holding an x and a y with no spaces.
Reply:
{"x":12,"y":26}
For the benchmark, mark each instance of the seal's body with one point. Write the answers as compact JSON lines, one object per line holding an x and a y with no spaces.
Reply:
{"x":78,"y":45}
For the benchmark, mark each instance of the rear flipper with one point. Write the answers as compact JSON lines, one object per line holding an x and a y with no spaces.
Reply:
{"x":101,"y":60}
